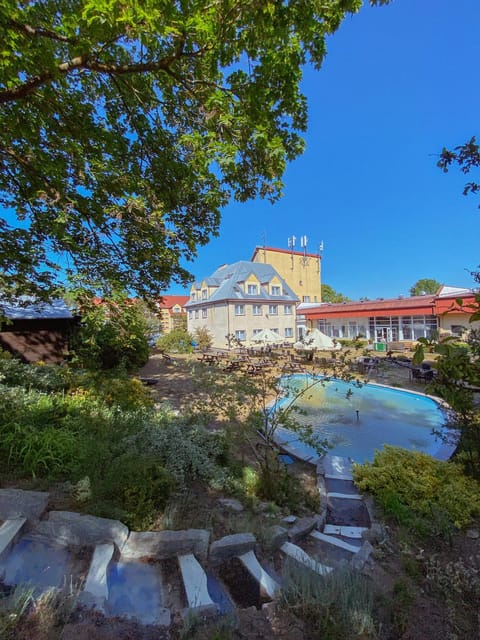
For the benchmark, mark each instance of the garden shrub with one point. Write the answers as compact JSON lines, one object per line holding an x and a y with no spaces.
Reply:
{"x":135,"y":489}
{"x":419,"y":490}
{"x":113,"y":334}
{"x":44,"y":377}
{"x":176,"y":341}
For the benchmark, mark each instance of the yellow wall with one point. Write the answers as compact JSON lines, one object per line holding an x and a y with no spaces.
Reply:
{"x":302,"y":274}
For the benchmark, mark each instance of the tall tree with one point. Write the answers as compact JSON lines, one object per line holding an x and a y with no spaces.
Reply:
{"x":424,"y":285}
{"x":330,"y":295}
{"x":127,"y":126}
{"x":467,"y":157}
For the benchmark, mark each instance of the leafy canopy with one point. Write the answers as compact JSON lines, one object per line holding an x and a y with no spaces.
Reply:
{"x":330,"y":295}
{"x":424,"y":285}
{"x":126,"y":127}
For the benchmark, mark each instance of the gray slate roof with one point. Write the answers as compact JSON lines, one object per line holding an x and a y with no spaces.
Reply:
{"x":228,"y":279}
{"x":28,"y":308}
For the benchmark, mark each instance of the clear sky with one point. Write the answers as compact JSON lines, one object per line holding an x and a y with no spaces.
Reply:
{"x":399,"y":83}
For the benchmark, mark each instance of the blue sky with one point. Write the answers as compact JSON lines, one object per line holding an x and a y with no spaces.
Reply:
{"x":398,"y":84}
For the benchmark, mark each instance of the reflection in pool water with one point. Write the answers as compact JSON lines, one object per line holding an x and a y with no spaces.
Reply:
{"x":357,"y":420}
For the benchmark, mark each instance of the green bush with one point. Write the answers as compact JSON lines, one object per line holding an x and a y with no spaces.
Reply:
{"x":44,"y":377}
{"x":135,"y":489}
{"x":176,"y":341}
{"x":424,"y":493}
{"x":113,"y":334}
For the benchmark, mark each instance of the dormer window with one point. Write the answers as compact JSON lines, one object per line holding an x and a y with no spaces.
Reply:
{"x":276,"y":290}
{"x":193,"y":296}
{"x":252,"y":289}
{"x":204,"y":294}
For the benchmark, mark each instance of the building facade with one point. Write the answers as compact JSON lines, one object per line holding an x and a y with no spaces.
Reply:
{"x":395,"y":319}
{"x":240,"y":300}
{"x":300,"y":270}
{"x":172,"y":313}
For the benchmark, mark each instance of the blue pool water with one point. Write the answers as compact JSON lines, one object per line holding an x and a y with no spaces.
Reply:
{"x":358,"y":420}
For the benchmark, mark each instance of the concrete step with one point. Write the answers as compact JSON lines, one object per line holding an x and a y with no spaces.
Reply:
{"x":341,"y":544}
{"x":299,"y":555}
{"x":195,"y":583}
{"x":267,"y":584}
{"x":344,"y":531}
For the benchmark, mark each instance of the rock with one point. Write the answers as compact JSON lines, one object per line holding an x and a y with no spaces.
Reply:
{"x":375,"y":534}
{"x":276,"y":536}
{"x":360,"y":558}
{"x":473,"y":534}
{"x":165,"y":544}
{"x":262,"y":507}
{"x":302,"y":528}
{"x":232,"y":504}
{"x":289,"y":519}
{"x":18,"y":503}
{"x":230,"y":546}
{"x":66,"y":528}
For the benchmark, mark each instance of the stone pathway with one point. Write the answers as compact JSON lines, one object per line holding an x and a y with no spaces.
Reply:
{"x":155,"y":576}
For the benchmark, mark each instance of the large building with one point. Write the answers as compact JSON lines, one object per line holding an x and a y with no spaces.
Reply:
{"x":394,"y":319}
{"x":172,"y":313}
{"x":240,"y":300}
{"x":300,"y":270}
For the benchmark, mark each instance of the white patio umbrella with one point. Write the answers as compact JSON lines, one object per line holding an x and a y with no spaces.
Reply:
{"x":317,"y":341}
{"x":267,"y":336}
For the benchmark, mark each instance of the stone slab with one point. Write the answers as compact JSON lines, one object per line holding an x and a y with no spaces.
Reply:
{"x":96,"y":586}
{"x":344,"y":496}
{"x":165,"y":544}
{"x":231,"y":546}
{"x":341,"y":544}
{"x":337,"y":467}
{"x":18,"y":503}
{"x":195,"y":582}
{"x":301,"y":528}
{"x":66,"y":528}
{"x":359,"y":560}
{"x":346,"y":532}
{"x":9,"y":533}
{"x":300,"y":556}
{"x":267,"y":584}
{"x":276,"y":536}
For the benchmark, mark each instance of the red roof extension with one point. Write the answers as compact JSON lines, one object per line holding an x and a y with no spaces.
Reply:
{"x":415,"y":305}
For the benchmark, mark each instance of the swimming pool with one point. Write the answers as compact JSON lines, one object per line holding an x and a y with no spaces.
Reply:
{"x":358,"y":420}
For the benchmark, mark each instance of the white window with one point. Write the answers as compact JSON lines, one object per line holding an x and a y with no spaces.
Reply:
{"x":193,"y":296}
{"x":177,"y":309}
{"x":255,"y":331}
{"x":204,"y":313}
{"x":196,"y":314}
{"x":239,"y":309}
{"x":190,"y":314}
{"x":288,"y":332}
{"x":306,"y":299}
{"x":273,"y":309}
{"x":276,"y":291}
{"x":257,"y":309}
{"x":288,"y":309}
{"x":241,"y":334}
{"x":252,"y":289}
{"x":275,"y":331}
{"x":204,"y":294}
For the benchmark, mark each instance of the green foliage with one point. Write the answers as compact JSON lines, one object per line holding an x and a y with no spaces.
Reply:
{"x":203,"y":338}
{"x":419,"y":491}
{"x":43,"y":377}
{"x":467,"y":157}
{"x":176,"y":341}
{"x":330,"y":295}
{"x":338,"y":606}
{"x":134,"y":489}
{"x":425,"y":285}
{"x":187,"y":451}
{"x":126,"y":127}
{"x":113,"y":334}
